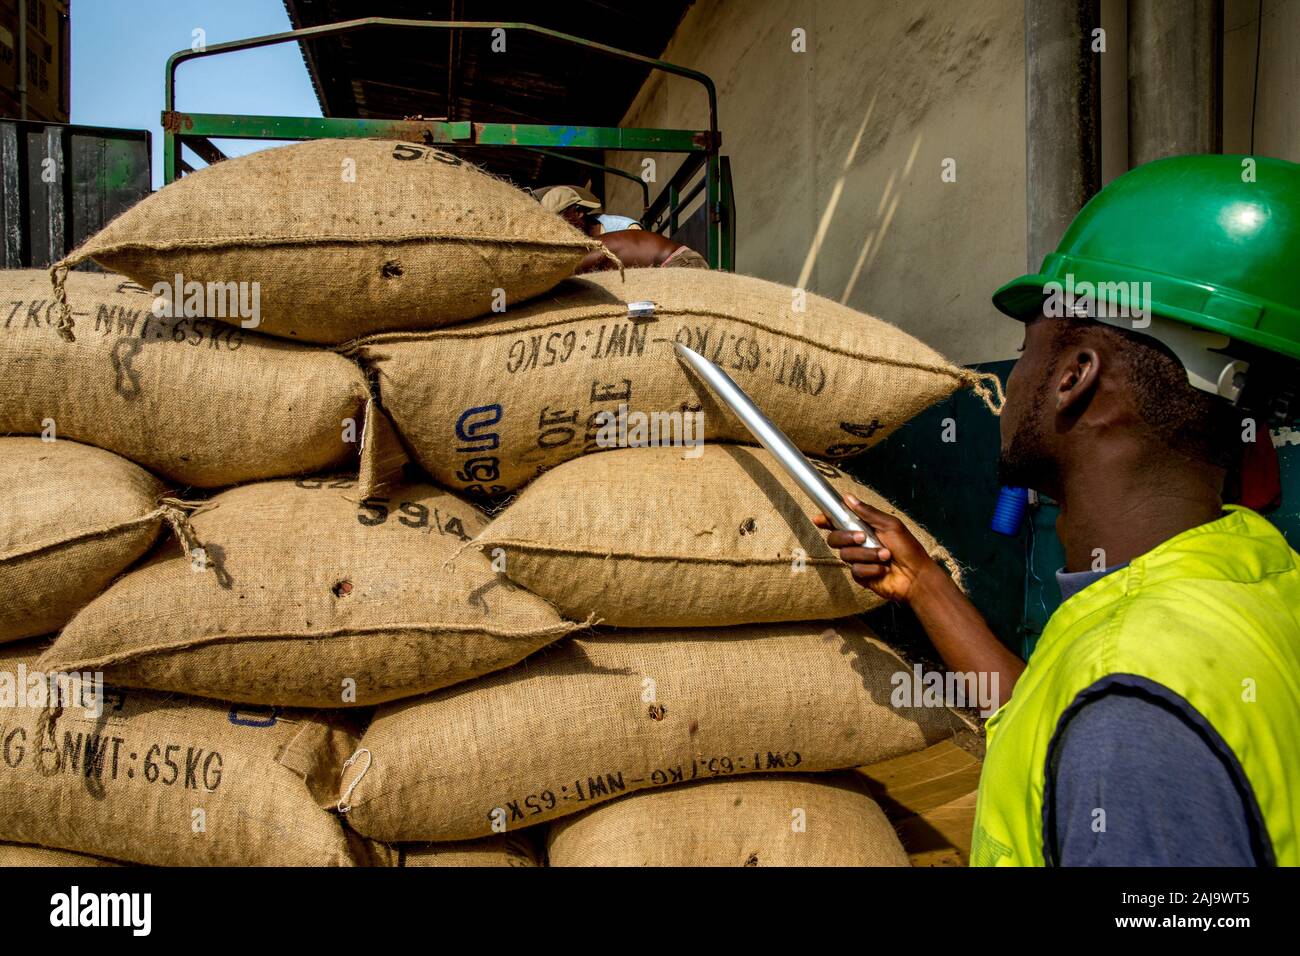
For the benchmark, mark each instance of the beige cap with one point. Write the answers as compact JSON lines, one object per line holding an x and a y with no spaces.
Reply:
{"x":556,"y":199}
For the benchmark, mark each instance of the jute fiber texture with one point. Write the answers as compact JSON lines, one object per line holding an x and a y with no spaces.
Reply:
{"x":592,"y":718}
{"x":650,"y":537}
{"x":171,"y":781}
{"x":72,"y":517}
{"x":506,"y":849}
{"x":196,"y":401}
{"x":303,"y":597}
{"x":342,"y":238}
{"x":14,"y":854}
{"x":800,"y":820}
{"x":487,"y":406}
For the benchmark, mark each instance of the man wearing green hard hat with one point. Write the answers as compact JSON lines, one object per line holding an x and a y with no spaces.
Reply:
{"x":1158,"y":720}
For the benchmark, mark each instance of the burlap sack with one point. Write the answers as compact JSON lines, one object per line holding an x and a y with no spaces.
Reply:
{"x":197,"y":401}
{"x":343,"y":238}
{"x":312,"y":600}
{"x":756,"y":821}
{"x":170,"y":781}
{"x":72,"y":518}
{"x":593,"y":718}
{"x":507,"y":849}
{"x":486,"y":407}
{"x":646,"y":537}
{"x":13,"y":854}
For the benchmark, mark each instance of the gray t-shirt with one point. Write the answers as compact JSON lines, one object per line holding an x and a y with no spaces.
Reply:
{"x":1137,"y":777}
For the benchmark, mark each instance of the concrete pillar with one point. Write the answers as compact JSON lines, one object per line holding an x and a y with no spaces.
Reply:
{"x":1062,"y":117}
{"x":1175,"y":78}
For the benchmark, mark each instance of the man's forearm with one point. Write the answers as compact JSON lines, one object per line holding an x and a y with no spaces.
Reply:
{"x":960,"y":634}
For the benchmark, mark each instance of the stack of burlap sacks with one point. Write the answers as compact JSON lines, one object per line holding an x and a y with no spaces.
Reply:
{"x":321,"y":649}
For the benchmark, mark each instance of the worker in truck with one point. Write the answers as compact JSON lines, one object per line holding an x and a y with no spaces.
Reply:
{"x":1158,"y":719}
{"x":635,"y":247}
{"x":582,"y":210}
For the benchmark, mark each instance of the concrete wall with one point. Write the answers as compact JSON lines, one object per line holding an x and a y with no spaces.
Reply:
{"x":837,"y":151}
{"x":1114,"y":90}
{"x":1277,"y":115}
{"x":1274,"y":114}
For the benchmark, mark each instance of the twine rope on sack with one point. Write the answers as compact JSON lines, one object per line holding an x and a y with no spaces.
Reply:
{"x":176,"y":513}
{"x":343,"y":805}
{"x":608,"y":253}
{"x":944,"y":557}
{"x":979,"y":383}
{"x":46,"y":720}
{"x":172,"y":510}
{"x":58,"y":282}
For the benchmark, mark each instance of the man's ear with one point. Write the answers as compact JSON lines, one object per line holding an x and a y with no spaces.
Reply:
{"x":1078,"y":381}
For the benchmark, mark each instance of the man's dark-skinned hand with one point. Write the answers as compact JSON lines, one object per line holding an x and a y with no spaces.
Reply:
{"x":901,"y":570}
{"x":894,"y":571}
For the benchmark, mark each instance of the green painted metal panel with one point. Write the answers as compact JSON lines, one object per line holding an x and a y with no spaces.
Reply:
{"x":1044,"y":555}
{"x":231,"y":126}
{"x":109,"y":173}
{"x":588,"y":137}
{"x":941,"y":468}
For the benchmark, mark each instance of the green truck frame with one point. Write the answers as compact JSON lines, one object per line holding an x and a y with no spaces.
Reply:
{"x":702,"y":147}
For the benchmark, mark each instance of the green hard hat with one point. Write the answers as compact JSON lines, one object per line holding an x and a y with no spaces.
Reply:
{"x":1217,"y":237}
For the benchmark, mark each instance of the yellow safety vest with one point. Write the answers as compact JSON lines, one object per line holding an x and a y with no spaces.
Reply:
{"x":1213,"y":614}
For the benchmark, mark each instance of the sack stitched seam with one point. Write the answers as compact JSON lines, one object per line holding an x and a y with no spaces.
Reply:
{"x":101,"y":532}
{"x":139,"y":653}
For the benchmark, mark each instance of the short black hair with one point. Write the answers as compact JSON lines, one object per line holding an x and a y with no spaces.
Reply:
{"x":1187,"y":420}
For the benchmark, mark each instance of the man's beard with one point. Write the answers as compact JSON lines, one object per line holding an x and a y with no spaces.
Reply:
{"x":1024,"y":466}
{"x":1026,"y":463}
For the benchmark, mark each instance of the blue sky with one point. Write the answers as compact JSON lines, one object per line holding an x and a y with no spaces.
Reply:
{"x":120,"y":47}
